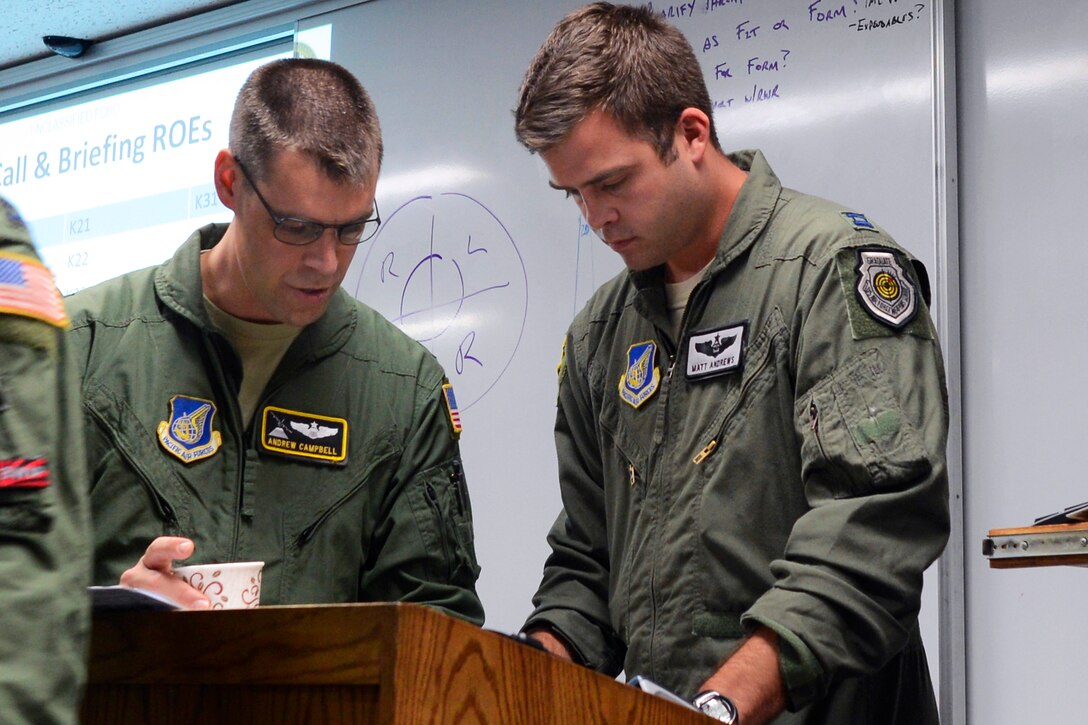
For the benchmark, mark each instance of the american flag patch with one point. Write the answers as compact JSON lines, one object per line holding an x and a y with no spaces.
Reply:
{"x":451,"y":408}
{"x":27,"y":288}
{"x":24,"y":473}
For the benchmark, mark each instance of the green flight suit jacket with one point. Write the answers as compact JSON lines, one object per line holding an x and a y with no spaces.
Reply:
{"x":780,"y":463}
{"x":45,"y":564}
{"x":369,"y":505}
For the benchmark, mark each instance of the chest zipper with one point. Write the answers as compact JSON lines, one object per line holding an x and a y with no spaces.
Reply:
{"x":308,"y":532}
{"x":705,"y":453}
{"x":712,"y":444}
{"x":167,"y":515}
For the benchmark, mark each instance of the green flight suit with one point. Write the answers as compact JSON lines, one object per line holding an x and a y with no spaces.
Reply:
{"x":780,"y":463}
{"x":347,"y":483}
{"x":44,"y":527}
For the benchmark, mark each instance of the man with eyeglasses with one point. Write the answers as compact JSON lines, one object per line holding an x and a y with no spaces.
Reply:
{"x":241,"y":406}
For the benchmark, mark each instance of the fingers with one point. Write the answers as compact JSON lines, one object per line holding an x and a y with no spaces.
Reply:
{"x":163,"y":551}
{"x":154,"y":572}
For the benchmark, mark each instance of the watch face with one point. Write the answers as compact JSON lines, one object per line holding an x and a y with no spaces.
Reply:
{"x":717,"y":706}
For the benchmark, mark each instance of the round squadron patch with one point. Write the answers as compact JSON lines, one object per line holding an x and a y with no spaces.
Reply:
{"x":188,"y":433}
{"x":640,"y":381}
{"x":884,"y":289}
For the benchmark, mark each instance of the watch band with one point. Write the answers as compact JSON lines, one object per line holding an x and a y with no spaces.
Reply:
{"x":717,"y":706}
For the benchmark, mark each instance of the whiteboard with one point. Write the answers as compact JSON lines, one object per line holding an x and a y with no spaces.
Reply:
{"x":482,"y":261}
{"x":487,"y":265}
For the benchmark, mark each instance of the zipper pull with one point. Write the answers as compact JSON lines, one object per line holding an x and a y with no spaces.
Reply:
{"x":814,"y":417}
{"x":631,"y":474}
{"x":457,"y":475}
{"x":705,"y":453}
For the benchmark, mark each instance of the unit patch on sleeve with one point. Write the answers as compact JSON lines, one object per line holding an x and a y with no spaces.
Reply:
{"x":27,"y":289}
{"x":716,"y":352}
{"x":451,"y":410}
{"x":884,"y":289}
{"x":188,"y":433}
{"x":296,"y":434}
{"x":561,"y":368}
{"x":640,"y":381}
{"x":24,"y":473}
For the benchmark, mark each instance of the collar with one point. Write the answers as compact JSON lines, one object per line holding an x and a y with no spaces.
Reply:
{"x":749,"y":217}
{"x":752,"y":210}
{"x":178,"y":286}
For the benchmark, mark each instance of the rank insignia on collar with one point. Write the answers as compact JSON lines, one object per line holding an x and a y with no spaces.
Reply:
{"x":451,"y":410}
{"x":295,"y":434}
{"x":716,"y":352}
{"x":188,"y":433}
{"x":884,"y":289}
{"x":642,"y":376}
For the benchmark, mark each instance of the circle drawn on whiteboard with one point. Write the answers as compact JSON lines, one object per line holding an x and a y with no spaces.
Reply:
{"x":446,"y":271}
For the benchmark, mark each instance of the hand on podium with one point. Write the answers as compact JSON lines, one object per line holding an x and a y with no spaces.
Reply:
{"x":550,"y":643}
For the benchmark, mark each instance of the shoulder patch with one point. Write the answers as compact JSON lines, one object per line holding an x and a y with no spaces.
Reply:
{"x":882,"y":295}
{"x":561,"y":368}
{"x":884,"y":289}
{"x":27,"y":289}
{"x":309,"y":436}
{"x":451,"y":410}
{"x":24,"y":473}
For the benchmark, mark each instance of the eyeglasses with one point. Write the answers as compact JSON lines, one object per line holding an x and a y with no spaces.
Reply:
{"x":291,"y":230}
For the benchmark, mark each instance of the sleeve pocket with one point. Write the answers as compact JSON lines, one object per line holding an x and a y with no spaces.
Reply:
{"x":440,"y":505}
{"x":855,"y":438}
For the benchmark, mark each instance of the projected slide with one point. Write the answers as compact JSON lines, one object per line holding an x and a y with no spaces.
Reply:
{"x":117,"y":183}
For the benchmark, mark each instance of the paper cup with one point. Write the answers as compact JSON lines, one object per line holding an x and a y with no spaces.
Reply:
{"x":236,"y":585}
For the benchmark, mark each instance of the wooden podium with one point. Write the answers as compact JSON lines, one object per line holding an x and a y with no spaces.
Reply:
{"x":352,"y":663}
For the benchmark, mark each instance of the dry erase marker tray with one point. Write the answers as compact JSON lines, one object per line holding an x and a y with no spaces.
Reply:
{"x":1053,"y":545}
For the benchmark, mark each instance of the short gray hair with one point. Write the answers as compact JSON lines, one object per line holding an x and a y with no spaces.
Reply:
{"x":314,"y":106}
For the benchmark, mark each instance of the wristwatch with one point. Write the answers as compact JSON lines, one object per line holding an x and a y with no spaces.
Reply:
{"x":717,"y":706}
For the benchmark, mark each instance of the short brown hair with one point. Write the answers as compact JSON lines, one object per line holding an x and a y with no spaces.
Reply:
{"x":621,"y":59}
{"x":314,"y":106}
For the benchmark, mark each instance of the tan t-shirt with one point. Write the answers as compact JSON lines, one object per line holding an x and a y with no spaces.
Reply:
{"x":260,"y":345}
{"x":677,"y":294}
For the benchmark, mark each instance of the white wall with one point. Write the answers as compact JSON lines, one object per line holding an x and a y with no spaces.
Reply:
{"x":1023,"y":101}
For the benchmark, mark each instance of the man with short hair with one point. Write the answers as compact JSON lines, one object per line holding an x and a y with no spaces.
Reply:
{"x":241,"y":406}
{"x":45,"y":563}
{"x":752,"y":419}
